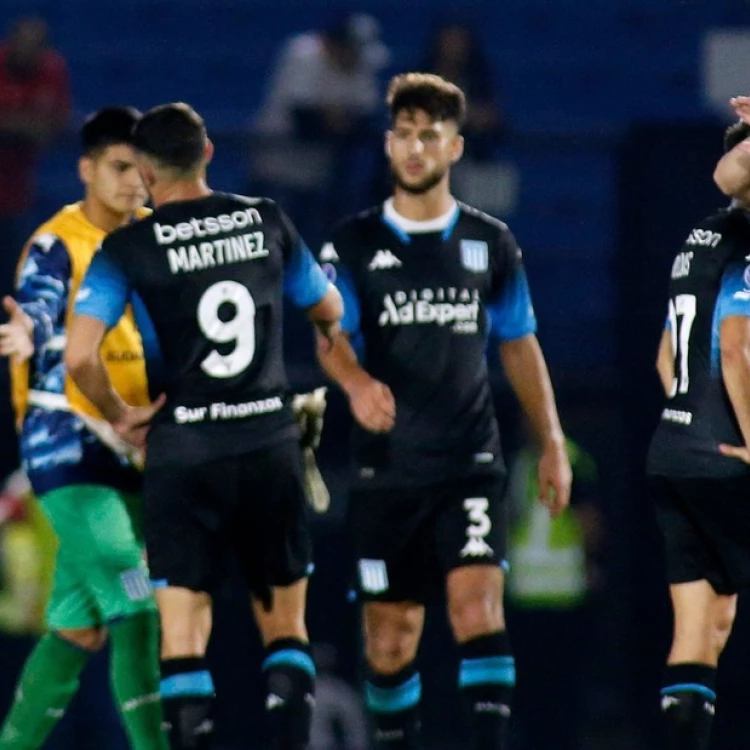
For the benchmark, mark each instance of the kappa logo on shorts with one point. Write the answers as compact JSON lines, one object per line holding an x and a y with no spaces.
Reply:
{"x":373,"y":576}
{"x":136,"y":584}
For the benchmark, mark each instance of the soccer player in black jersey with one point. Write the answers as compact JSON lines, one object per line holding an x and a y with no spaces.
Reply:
{"x":698,"y":459}
{"x":425,"y":281}
{"x":224,"y":467}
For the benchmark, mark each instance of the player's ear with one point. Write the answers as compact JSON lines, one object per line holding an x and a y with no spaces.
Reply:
{"x":86,"y":170}
{"x":208,"y":151}
{"x":458,"y":149}
{"x":387,"y":143}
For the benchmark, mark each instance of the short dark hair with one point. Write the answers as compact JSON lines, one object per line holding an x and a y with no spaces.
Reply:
{"x":172,"y":134}
{"x":735,"y":134}
{"x":440,"y":99}
{"x":107,"y":127}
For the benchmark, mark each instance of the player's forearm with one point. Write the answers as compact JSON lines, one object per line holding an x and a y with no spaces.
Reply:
{"x":326,"y":315}
{"x":339,"y":361}
{"x":527,"y":373}
{"x":665,"y":362}
{"x":732,"y":173}
{"x":89,"y":373}
{"x":735,"y":365}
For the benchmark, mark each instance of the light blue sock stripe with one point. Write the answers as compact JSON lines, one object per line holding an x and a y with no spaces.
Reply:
{"x":291,"y":657}
{"x":391,"y":700}
{"x":489,"y":670}
{"x":190,"y":683}
{"x":690,"y":687}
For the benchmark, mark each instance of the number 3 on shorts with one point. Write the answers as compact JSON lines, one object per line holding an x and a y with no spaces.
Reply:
{"x":239,"y":328}
{"x":476,"y":508}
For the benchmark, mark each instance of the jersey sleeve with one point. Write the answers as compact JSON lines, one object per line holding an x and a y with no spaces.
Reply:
{"x":510,"y":309}
{"x":305,"y":284}
{"x":734,"y":293}
{"x":105,"y":291}
{"x":338,"y":272}
{"x":43,"y":286}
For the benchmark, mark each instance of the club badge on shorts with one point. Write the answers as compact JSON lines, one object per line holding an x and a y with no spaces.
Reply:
{"x":474,"y":255}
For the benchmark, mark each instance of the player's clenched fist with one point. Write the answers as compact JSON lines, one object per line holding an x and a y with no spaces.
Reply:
{"x":373,"y":405}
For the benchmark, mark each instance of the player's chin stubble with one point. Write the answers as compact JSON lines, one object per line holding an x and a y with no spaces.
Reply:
{"x":417,"y":188}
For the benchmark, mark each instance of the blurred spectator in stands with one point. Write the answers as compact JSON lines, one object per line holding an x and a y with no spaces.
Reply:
{"x":456,"y":54}
{"x":321,"y":106}
{"x":34,"y":107}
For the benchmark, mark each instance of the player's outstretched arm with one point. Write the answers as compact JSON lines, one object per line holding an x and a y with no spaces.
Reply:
{"x":85,"y":366}
{"x":371,"y":401}
{"x":326,"y":316}
{"x":527,"y":373}
{"x":665,"y":362}
{"x":734,"y":341}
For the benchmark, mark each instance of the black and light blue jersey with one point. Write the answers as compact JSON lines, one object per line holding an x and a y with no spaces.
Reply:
{"x":710,"y":281}
{"x":421,"y":300}
{"x":212,"y":274}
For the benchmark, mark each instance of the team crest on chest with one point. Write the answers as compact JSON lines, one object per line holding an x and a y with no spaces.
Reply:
{"x":474,"y":255}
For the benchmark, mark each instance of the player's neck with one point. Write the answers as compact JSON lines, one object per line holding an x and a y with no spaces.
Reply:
{"x":425,"y":206}
{"x":101,"y":216}
{"x":179,"y":190}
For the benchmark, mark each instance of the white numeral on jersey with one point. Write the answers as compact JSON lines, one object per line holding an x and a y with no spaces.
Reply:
{"x":240,"y":328}
{"x":476,"y":508}
{"x":681,"y":317}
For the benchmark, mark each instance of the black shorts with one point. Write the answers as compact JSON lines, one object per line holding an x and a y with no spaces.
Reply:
{"x":250,"y":507}
{"x":706,"y":526}
{"x":407,"y":540}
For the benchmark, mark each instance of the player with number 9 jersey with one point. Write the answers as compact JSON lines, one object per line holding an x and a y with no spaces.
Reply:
{"x":213,"y":273}
{"x":224,"y":472}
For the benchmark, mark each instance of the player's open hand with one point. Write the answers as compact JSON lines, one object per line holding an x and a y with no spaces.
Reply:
{"x":373,"y":405}
{"x":135,"y":421}
{"x":741,"y":107}
{"x":735,"y":451}
{"x":16,"y":336}
{"x":555,"y":478}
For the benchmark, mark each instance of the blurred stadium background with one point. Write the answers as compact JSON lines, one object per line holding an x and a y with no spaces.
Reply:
{"x":612,"y":115}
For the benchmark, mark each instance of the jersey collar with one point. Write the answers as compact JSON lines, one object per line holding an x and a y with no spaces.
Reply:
{"x":404,"y":227}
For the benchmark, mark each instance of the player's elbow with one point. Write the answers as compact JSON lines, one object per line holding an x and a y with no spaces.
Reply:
{"x":330,"y":309}
{"x":735,"y":355}
{"x":77,"y":361}
{"x":730,"y":180}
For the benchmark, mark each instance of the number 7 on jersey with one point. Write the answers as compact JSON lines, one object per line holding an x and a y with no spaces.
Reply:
{"x":681,"y":317}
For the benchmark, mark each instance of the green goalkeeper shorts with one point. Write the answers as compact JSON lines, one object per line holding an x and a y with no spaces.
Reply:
{"x":100,"y":569}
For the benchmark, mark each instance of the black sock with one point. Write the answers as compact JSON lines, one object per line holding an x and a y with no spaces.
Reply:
{"x":688,"y":701}
{"x":393,"y":703}
{"x":289,"y":674}
{"x":486,"y":678}
{"x":187,"y":692}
